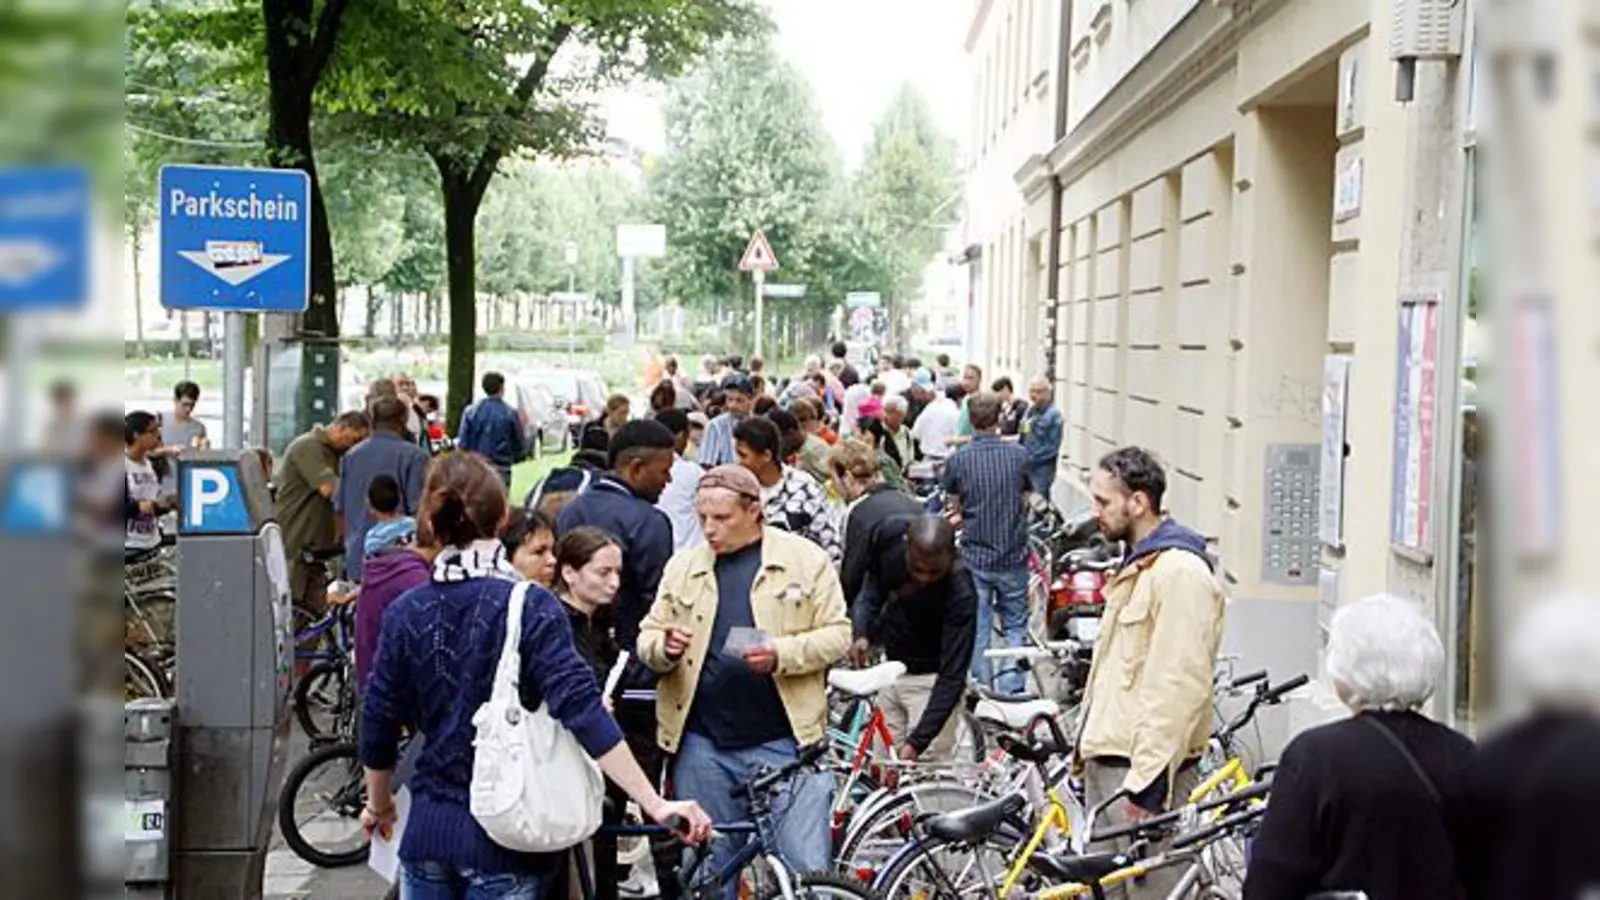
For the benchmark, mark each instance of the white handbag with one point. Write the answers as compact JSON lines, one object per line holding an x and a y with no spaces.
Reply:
{"x":534,"y":789}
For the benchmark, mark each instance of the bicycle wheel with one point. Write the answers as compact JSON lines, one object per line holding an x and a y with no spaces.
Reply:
{"x":319,"y":811}
{"x":932,"y":868}
{"x":822,"y":884}
{"x":140,"y":678}
{"x":871,"y":842}
{"x":324,"y":699}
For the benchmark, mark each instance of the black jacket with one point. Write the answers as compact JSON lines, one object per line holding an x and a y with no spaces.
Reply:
{"x":1536,"y":810}
{"x":928,"y":627}
{"x":591,"y":636}
{"x":863,"y":529}
{"x":1348,"y":812}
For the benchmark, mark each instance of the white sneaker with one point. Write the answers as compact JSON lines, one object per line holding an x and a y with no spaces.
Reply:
{"x":639,"y":883}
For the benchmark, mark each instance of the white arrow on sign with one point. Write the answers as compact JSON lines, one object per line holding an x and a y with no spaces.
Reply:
{"x":24,"y":261}
{"x":234,"y":274}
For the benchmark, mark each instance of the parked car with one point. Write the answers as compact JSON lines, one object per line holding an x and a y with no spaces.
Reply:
{"x":580,"y":395}
{"x":543,"y":421}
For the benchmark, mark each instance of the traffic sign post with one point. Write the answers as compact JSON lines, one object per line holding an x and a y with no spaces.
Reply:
{"x":44,"y":263}
{"x":237,"y":241}
{"x":758,"y":260}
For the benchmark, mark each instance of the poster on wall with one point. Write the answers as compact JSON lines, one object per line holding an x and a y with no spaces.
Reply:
{"x":1415,"y":409}
{"x":1535,"y":412}
{"x":1330,"y":481}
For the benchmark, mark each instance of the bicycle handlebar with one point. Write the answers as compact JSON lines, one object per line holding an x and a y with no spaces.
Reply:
{"x":1227,"y":824}
{"x":1169,"y":818}
{"x":764,"y":782}
{"x":1276,"y":692}
{"x":1249,"y":678}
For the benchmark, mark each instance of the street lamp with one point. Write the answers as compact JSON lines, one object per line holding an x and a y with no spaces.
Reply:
{"x":572,"y":288}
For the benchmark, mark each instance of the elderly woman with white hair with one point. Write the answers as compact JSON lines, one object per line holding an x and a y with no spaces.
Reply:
{"x":1536,"y":783}
{"x":1379,"y":802}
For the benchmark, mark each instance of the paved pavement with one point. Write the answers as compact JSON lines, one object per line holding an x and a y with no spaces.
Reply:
{"x":288,"y":877}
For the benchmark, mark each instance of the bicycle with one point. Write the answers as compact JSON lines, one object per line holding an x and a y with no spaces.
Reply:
{"x":757,"y":864}
{"x":325,"y":694}
{"x":149,"y":599}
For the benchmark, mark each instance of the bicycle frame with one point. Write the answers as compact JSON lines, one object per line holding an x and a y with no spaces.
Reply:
{"x":343,"y":631}
{"x":867,"y":730}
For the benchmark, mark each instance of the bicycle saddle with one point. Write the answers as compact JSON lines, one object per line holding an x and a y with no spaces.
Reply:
{"x":1085,"y":869}
{"x":1018,"y":713}
{"x":865,"y":682}
{"x":968,"y":826}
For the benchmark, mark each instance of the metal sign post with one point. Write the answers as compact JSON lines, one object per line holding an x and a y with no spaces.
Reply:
{"x":760,"y":276}
{"x":236,"y":241}
{"x":758,"y":260}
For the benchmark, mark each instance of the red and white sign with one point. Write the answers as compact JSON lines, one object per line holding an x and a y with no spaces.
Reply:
{"x":758,"y":255}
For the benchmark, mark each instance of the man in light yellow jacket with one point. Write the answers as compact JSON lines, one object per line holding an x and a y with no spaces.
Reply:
{"x":1148,"y":706}
{"x":743,"y":630}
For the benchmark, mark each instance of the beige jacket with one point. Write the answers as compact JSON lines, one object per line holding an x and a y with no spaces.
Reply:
{"x":1149,"y":694}
{"x":796,"y":599}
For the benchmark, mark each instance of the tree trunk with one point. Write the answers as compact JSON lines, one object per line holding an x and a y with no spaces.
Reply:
{"x":460,"y":241}
{"x":372,"y":312}
{"x":295,"y":59}
{"x":136,"y":242}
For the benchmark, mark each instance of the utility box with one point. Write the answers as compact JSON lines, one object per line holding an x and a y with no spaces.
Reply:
{"x":303,"y":387}
{"x":1427,"y":29}
{"x":148,"y":743}
{"x":235,"y":654}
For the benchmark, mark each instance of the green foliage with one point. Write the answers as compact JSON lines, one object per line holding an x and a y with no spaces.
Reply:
{"x":905,"y":199}
{"x":746,"y":150}
{"x":59,"y":70}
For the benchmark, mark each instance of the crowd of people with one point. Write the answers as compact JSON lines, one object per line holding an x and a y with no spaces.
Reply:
{"x":728,"y":546}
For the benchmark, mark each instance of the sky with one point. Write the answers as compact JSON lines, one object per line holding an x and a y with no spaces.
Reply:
{"x":856,"y":54}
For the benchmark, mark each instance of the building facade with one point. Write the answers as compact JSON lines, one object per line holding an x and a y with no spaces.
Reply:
{"x":1011,"y":47}
{"x":1264,"y":235}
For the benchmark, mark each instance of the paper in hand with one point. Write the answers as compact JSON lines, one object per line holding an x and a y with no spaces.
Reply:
{"x":742,"y":640}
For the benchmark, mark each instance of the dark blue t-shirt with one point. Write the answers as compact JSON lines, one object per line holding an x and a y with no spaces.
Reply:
{"x":733,"y":706}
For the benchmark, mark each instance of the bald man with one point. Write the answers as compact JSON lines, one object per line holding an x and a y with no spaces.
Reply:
{"x":1041,"y":436}
{"x":918,"y":603}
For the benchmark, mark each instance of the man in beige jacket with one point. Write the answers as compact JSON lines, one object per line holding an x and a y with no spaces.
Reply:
{"x":743,"y":630}
{"x":1148,"y":705}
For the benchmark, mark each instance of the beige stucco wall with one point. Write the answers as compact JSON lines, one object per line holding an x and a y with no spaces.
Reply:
{"x":1204,"y":281}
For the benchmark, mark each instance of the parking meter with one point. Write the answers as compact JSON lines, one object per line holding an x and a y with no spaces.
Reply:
{"x":235,"y":654}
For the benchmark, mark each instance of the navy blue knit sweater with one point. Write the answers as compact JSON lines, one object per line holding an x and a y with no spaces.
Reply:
{"x":434,"y":668}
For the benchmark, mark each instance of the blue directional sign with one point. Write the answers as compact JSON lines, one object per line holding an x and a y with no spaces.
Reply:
{"x":211,"y":499}
{"x":36,"y":500}
{"x":235,"y":239}
{"x":44,"y":238}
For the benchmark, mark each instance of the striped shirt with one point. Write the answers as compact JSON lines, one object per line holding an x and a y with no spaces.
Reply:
{"x":716,"y":448}
{"x":989,"y":476}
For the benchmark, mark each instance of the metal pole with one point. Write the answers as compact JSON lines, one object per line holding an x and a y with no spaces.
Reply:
{"x":183,"y":339}
{"x":760,"y":279}
{"x":233,"y":380}
{"x":19,"y":357}
{"x":627,"y":300}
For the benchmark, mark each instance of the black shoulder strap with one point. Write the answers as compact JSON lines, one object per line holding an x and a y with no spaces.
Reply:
{"x":1411,"y":760}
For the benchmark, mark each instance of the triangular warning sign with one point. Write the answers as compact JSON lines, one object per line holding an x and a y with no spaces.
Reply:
{"x":758,"y":255}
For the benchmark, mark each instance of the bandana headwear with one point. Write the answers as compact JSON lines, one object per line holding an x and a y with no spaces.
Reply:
{"x":733,"y":478}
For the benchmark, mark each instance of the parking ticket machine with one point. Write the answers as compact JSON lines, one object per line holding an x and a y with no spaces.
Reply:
{"x":235,"y":657}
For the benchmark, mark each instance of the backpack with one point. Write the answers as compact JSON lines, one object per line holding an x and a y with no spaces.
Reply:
{"x":567,"y":479}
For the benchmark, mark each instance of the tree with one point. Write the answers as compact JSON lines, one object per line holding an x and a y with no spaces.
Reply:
{"x":905,"y":190}
{"x":366,"y":211}
{"x":471,"y":82}
{"x":746,"y":150}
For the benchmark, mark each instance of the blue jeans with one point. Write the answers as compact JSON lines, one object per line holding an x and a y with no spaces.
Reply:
{"x":428,"y":880}
{"x":1041,"y":480}
{"x":1007,"y":590}
{"x":799,"y":826}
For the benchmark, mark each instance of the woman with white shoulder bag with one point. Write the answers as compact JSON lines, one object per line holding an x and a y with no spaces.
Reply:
{"x":514,"y":728}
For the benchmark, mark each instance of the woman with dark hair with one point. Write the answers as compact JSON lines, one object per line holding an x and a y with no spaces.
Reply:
{"x":437,"y":653}
{"x":529,"y":538}
{"x":588,"y":571}
{"x":890,"y":465}
{"x":663,"y":397}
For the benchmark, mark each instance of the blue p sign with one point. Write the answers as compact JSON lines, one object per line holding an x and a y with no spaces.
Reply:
{"x":213,"y":501}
